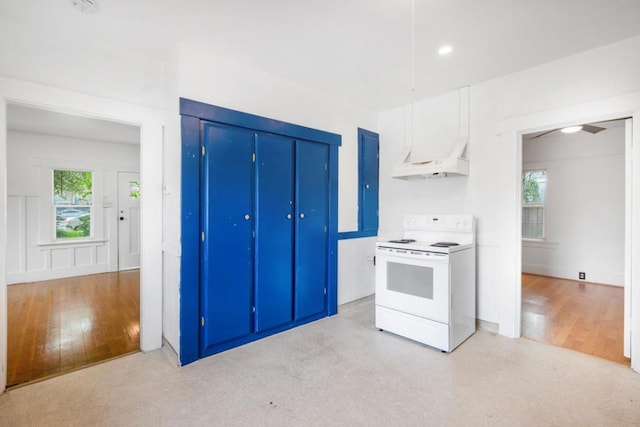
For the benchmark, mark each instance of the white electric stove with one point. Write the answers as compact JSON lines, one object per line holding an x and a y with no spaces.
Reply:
{"x":426,"y":281}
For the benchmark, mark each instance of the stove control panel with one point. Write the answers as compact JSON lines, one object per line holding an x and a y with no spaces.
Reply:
{"x":455,"y":223}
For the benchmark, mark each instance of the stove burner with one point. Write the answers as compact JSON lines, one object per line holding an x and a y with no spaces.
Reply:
{"x":404,"y":241}
{"x":444,"y":244}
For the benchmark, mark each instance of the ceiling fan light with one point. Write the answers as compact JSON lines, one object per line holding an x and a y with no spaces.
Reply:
{"x":571,"y":129}
{"x":445,"y":50}
{"x":85,"y":6}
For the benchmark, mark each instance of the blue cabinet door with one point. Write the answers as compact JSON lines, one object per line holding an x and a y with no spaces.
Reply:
{"x":274,"y":232}
{"x":368,"y":180}
{"x":312,"y":197}
{"x":226,"y":292}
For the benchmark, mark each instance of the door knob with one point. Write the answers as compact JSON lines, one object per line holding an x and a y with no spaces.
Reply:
{"x":121,"y":218}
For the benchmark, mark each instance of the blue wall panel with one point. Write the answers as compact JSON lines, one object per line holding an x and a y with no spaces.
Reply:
{"x":190,"y":231}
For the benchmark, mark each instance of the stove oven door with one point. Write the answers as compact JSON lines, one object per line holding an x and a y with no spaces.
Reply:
{"x":416,"y":283}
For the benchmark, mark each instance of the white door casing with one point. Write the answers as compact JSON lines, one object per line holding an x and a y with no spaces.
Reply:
{"x":128,"y":220}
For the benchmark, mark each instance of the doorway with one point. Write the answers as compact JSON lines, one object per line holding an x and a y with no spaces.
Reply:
{"x":62,"y":200}
{"x":574,"y":206}
{"x":151,"y":123}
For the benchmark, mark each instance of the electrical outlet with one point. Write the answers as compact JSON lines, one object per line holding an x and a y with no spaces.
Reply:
{"x":582,"y":276}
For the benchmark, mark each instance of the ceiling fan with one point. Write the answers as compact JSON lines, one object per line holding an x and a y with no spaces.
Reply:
{"x":572,"y":129}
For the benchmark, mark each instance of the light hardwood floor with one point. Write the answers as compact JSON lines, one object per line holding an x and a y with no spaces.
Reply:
{"x":585,"y":317}
{"x":57,"y":326}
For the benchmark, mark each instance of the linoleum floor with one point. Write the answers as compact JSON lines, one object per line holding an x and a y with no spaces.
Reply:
{"x":340,"y":371}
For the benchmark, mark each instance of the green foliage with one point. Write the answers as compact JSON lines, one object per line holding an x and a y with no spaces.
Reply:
{"x":530,"y":189}
{"x":66,"y":234}
{"x":80,"y":227}
{"x":84,"y":226}
{"x":134,"y":189}
{"x":73,"y":186}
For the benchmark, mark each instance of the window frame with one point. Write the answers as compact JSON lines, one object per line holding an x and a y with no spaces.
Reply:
{"x":47,"y":229}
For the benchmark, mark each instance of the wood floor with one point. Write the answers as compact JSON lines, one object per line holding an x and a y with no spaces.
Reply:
{"x":58,"y":326}
{"x":585,"y":317}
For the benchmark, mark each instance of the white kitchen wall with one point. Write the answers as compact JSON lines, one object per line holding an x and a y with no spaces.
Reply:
{"x":584,"y":213}
{"x":356,"y":278}
{"x":32,"y":255}
{"x":490,"y":191}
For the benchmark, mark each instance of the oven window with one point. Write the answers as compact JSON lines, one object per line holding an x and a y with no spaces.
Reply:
{"x":410,"y":279}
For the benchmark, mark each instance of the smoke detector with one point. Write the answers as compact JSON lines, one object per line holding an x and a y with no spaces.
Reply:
{"x":85,"y":6}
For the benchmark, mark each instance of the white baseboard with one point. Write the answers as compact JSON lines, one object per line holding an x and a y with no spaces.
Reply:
{"x":58,"y":273}
{"x":170,"y":352}
{"x":487,"y":326}
{"x":591,"y":277}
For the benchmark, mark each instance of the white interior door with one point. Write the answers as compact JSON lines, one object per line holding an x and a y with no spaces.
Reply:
{"x":128,"y":220}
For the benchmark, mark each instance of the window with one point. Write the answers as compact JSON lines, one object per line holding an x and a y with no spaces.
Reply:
{"x":73,"y":203}
{"x":134,"y":190}
{"x":534,"y":189}
{"x":368,"y":148}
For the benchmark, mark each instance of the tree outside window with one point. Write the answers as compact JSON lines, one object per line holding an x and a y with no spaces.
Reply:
{"x":534,"y":188}
{"x":72,"y":199}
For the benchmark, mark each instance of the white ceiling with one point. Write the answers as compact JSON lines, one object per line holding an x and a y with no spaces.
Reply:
{"x":21,"y":118}
{"x":356,"y":49}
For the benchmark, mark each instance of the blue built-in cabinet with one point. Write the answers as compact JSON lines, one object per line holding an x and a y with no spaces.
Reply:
{"x":368,"y":180}
{"x":261,"y":197}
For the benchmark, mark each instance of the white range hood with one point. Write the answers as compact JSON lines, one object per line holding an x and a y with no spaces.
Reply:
{"x":452,"y":165}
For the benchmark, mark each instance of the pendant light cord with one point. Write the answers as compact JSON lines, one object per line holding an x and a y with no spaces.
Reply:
{"x":413,"y":48}
{"x":413,"y":69}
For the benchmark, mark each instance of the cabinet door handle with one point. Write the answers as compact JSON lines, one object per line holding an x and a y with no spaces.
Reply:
{"x":301,"y":215}
{"x":288,"y":216}
{"x":247,"y":217}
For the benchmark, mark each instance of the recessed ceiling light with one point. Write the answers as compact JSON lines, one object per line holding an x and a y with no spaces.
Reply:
{"x":571,"y":129}
{"x":85,"y":6}
{"x":444,"y":50}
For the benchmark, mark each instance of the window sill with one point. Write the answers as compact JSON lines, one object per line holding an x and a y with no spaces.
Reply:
{"x":73,"y":242}
{"x":535,"y":243}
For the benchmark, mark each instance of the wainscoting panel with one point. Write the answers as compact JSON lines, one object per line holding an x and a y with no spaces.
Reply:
{"x":29,"y":259}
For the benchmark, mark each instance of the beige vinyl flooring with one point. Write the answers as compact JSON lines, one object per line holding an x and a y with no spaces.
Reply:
{"x":340,"y":371}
